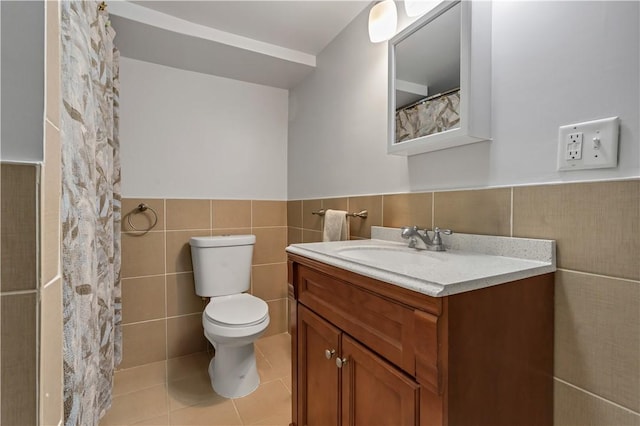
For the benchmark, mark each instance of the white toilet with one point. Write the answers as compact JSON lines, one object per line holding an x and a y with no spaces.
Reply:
{"x":232,"y":319}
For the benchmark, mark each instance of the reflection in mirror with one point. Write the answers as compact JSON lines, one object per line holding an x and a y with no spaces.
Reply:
{"x":427,"y":91}
{"x":440,"y":79}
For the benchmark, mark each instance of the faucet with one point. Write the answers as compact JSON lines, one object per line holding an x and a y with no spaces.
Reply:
{"x":411,"y":233}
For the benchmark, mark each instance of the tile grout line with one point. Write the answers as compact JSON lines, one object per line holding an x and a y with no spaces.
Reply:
{"x":629,"y":410}
{"x":591,"y":274}
{"x":511,"y":215}
{"x":166,"y":325}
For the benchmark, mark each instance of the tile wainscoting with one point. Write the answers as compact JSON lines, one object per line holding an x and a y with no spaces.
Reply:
{"x":597,"y":298}
{"x":162,"y":315}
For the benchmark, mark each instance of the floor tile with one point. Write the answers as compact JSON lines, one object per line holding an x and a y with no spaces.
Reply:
{"x":270,"y":400}
{"x":138,"y":378}
{"x":136,"y":406}
{"x":220,"y":412}
{"x":194,"y":390}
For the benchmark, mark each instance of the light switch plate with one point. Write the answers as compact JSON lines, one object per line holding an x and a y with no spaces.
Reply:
{"x":588,"y":145}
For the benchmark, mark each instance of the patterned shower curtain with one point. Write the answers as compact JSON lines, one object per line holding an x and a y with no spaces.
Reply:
{"x":90,"y":211}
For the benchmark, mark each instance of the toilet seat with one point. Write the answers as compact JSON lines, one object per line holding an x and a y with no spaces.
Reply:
{"x":236,"y":310}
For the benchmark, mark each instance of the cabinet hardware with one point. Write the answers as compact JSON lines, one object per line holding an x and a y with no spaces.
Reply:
{"x":340,"y":362}
{"x":329,"y":353}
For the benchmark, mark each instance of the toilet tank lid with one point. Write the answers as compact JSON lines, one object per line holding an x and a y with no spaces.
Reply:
{"x":222,"y":241}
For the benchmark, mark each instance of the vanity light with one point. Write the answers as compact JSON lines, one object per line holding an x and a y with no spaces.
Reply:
{"x":418,"y":7}
{"x":383,"y":19}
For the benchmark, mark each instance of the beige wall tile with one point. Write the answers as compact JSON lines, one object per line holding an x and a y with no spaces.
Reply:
{"x":137,"y":406}
{"x":294,"y":235}
{"x":138,"y":378}
{"x":51,"y":336}
{"x":278,"y":314}
{"x":179,"y":251}
{"x":309,"y":220}
{"x":188,"y":214}
{"x":270,"y":245}
{"x":597,"y":337}
{"x":269,"y":213}
{"x":18,"y":359}
{"x":51,"y":188}
{"x":294,"y":213}
{"x":311,"y":236}
{"x":407,"y":210}
{"x":53,"y":63}
{"x":336,"y":203}
{"x":185,"y":335}
{"x":143,"y":299}
{"x":573,"y":407}
{"x":143,"y":343}
{"x":181,"y":295}
{"x":269,"y":282}
{"x":142,"y":220}
{"x":18,"y":227}
{"x":362,"y":227}
{"x":142,"y":254}
{"x":231,"y":213}
{"x":484,"y":211}
{"x":596,"y":225}
{"x":231,"y":231}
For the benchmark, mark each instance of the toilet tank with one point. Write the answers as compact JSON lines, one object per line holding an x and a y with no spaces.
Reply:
{"x":222,"y":264}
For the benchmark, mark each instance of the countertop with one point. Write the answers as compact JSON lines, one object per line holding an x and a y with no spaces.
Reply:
{"x":471,"y":261}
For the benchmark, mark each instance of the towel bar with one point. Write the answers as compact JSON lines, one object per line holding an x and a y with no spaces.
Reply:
{"x":362,"y":214}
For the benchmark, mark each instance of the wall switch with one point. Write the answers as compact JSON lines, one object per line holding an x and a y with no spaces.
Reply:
{"x":588,"y":145}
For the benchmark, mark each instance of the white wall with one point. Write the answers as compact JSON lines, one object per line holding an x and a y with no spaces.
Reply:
{"x":554,"y":63}
{"x":190,"y":135}
{"x":22,"y":77}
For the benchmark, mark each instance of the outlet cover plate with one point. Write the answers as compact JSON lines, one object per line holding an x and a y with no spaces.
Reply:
{"x":598,"y":145}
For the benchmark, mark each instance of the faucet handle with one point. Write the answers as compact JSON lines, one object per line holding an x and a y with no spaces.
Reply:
{"x":436,"y":235}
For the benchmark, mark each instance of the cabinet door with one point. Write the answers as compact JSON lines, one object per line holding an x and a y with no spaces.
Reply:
{"x":373,"y":391}
{"x":318,"y":376}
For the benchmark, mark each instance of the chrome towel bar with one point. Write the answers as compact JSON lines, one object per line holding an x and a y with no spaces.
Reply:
{"x":361,"y":214}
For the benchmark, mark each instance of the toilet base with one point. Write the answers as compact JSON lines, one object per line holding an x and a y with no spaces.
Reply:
{"x":233,"y":371}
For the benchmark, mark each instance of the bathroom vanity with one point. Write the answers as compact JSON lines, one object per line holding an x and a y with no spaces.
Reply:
{"x":377,"y":340}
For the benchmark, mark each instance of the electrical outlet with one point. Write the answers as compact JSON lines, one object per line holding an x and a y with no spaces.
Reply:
{"x":574,"y":146}
{"x":588,"y":145}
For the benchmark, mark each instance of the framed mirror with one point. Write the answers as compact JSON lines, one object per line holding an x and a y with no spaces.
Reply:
{"x":440,"y":79}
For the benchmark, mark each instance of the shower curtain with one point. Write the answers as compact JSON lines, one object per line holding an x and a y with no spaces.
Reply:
{"x":90,"y":210}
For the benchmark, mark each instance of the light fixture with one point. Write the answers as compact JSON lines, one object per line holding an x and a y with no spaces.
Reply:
{"x":418,"y":7}
{"x":383,"y":19}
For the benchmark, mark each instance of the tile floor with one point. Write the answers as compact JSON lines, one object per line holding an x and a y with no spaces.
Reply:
{"x":178,"y":392}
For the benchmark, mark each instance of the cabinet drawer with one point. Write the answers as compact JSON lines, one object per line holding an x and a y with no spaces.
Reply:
{"x":383,"y":325}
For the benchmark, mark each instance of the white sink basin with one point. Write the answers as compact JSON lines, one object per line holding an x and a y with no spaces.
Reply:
{"x":389,"y":256}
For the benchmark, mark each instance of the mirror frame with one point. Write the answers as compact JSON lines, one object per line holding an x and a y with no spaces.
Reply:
{"x":475,"y":81}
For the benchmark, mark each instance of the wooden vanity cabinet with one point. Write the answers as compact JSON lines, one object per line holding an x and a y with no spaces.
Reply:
{"x":483,"y":357}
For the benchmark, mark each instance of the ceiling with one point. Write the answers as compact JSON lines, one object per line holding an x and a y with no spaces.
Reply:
{"x":266,"y":42}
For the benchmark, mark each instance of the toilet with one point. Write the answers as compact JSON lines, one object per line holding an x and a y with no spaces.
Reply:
{"x":232,"y":320}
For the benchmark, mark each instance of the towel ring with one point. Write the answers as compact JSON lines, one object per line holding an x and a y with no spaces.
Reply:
{"x":142,"y":207}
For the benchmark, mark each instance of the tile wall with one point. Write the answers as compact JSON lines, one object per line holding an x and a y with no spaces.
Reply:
{"x":161,"y":313}
{"x":30,"y":281}
{"x":19,"y":293}
{"x":597,"y":298}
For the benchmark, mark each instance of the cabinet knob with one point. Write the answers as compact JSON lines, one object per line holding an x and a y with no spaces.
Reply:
{"x":329,"y":353}
{"x":340,"y":362}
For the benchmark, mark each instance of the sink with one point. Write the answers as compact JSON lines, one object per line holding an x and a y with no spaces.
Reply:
{"x":388,"y":256}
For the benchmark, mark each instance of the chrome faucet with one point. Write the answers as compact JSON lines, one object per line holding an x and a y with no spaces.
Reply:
{"x":411,"y":233}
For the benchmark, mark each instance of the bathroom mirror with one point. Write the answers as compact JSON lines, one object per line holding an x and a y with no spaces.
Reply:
{"x":440,"y":79}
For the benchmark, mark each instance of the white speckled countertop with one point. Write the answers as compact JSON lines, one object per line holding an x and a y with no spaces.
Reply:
{"x":471,"y":261}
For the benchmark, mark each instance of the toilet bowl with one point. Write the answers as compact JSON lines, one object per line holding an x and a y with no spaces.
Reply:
{"x":232,"y":324}
{"x":233,"y":319}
